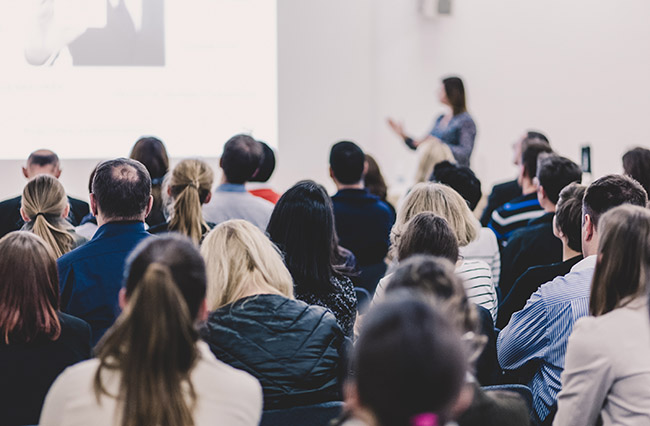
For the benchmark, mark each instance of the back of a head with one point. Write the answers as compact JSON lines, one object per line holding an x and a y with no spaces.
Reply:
{"x":408,"y":362}
{"x":153,"y":342}
{"x":455,"y":91}
{"x":44,"y":202}
{"x":568,"y":214}
{"x":240,"y":259}
{"x":623,"y":265}
{"x":636,"y":164}
{"x":530,"y":151}
{"x":555,"y":172}
{"x":267,"y":165}
{"x":534,"y":136}
{"x":429,"y":234}
{"x":43,"y":161}
{"x":461,"y":179}
{"x":29,"y":289}
{"x":347,"y":161}
{"x":241,"y":158}
{"x":190,"y":184}
{"x":374,"y":180}
{"x":151,"y":152}
{"x":122,"y":188}
{"x":430,"y":153}
{"x":302,"y":226}
{"x":611,"y":191}
{"x":443,"y":201}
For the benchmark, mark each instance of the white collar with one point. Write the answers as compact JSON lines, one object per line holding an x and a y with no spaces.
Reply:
{"x":588,"y":262}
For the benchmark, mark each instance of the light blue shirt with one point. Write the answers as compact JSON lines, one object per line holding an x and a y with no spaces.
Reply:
{"x":540,"y":331}
{"x":232,"y":201}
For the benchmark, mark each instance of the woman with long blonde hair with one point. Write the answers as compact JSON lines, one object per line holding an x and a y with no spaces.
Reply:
{"x":256,"y":325}
{"x":44,"y":207}
{"x":189,"y":187}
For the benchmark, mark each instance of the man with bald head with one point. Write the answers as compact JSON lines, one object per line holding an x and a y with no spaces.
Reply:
{"x":91,"y":276}
{"x":39,"y":162}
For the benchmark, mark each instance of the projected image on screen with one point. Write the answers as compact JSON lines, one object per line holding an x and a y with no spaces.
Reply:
{"x":86,"y":78}
{"x":97,"y":32}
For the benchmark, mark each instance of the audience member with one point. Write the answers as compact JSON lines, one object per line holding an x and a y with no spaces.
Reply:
{"x":239,"y":162}
{"x":91,"y":275}
{"x":151,"y":152}
{"x":258,"y":184}
{"x":539,"y":332}
{"x":504,"y":192}
{"x":294,"y":349}
{"x":409,"y":366}
{"x":535,"y":244}
{"x":302,"y":226}
{"x":447,"y":203}
{"x":464,"y":181}
{"x":434,"y":279}
{"x":39,"y":162}
{"x":607,"y":371}
{"x":518,"y":212}
{"x":567,"y":225}
{"x":374,"y":181}
{"x":151,"y":368}
{"x":189,"y":187}
{"x":44,"y":207}
{"x":430,"y":153}
{"x":363,"y":221}
{"x":37,"y":342}
{"x":88,"y":225}
{"x":636,"y":164}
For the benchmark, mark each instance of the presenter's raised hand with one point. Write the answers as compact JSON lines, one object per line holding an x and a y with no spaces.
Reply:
{"x":397,"y":127}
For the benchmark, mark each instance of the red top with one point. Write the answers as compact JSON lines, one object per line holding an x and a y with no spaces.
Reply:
{"x":266,"y":193}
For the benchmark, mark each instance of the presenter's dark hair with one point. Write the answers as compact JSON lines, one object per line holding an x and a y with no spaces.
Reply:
{"x":555,"y":172}
{"x":29,"y":289}
{"x":427,"y":233}
{"x":267,"y":165}
{"x":122,"y":188}
{"x":611,"y":191}
{"x":241,"y":158}
{"x":455,"y":91}
{"x":461,"y":179}
{"x":636,"y":164}
{"x":347,"y":161}
{"x":568,"y":214}
{"x":165,"y":286}
{"x":302,"y":226}
{"x":408,"y":361}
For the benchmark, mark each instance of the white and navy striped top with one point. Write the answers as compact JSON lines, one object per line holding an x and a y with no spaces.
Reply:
{"x":485,"y":248}
{"x":514,"y":215}
{"x":540,"y":331}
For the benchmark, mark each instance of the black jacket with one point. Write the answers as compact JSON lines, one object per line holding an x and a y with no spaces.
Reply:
{"x":501,"y":194}
{"x":10,"y":219}
{"x":294,"y":349}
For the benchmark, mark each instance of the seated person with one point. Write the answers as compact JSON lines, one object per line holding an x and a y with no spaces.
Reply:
{"x":39,"y":162}
{"x":535,"y":243}
{"x":189,"y":187}
{"x":375,"y":183}
{"x":538,"y":333}
{"x":517,"y":212}
{"x":151,"y":367}
{"x":636,"y":164}
{"x":294,"y":349}
{"x":38,"y":341}
{"x":567,"y":226}
{"x":258,"y":184}
{"x":44,"y":208}
{"x":151,"y":152}
{"x":239,"y":163}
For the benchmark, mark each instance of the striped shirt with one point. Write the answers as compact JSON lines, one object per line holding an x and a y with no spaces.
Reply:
{"x":485,"y":248}
{"x":540,"y":331}
{"x":514,"y":215}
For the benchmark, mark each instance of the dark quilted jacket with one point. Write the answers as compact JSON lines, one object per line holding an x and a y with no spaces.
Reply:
{"x":294,"y":349}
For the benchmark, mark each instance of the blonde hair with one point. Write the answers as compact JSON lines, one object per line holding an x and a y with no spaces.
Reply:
{"x":239,"y":259}
{"x":443,"y":201}
{"x":190,"y":183}
{"x":431,"y":152}
{"x":44,"y":202}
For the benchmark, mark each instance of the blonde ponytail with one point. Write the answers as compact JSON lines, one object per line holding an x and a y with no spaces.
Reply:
{"x":190,"y":183}
{"x":44,"y":201}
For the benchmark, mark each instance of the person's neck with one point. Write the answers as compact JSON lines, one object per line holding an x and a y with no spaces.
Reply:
{"x":101,"y":220}
{"x":527,"y":187}
{"x":548,"y":207}
{"x":568,"y":253}
{"x":341,"y":186}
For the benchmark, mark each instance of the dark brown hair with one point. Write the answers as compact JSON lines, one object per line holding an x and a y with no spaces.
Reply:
{"x":636,"y":164}
{"x":427,"y":233}
{"x":530,"y":151}
{"x":611,"y":191}
{"x":455,"y":91}
{"x":621,"y":272}
{"x":568,"y":214}
{"x":29,"y":289}
{"x":373,"y":180}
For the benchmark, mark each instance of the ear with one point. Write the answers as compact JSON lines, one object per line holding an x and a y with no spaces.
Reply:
{"x":93,"y":205}
{"x":149,"y":206}
{"x":202,"y":315}
{"x":208,"y":198}
{"x":25,"y":172}
{"x":57,"y":173}
{"x":24,"y":216}
{"x":588,"y":229}
{"x":541,"y":193}
{"x":169,"y":190}
{"x":121,"y":298}
{"x":66,"y":211}
{"x":331,"y":173}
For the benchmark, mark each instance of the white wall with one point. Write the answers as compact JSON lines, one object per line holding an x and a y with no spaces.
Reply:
{"x":576,"y":70}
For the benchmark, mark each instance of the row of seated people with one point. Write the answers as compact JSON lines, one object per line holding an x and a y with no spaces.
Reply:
{"x":321,"y":255}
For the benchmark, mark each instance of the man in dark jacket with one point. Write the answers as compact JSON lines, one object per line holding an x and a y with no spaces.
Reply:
{"x":39,"y":162}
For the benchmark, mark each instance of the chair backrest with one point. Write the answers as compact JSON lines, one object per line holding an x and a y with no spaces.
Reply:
{"x":363,"y":299}
{"x":310,"y":415}
{"x":522,"y":390}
